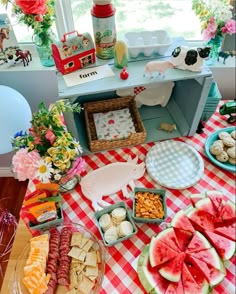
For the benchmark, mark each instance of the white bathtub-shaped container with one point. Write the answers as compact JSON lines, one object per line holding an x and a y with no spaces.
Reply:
{"x":147,"y":42}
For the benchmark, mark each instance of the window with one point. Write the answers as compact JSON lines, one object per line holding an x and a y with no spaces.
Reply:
{"x":174,"y":16}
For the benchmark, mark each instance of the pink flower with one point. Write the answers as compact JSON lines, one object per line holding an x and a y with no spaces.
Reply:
{"x":209,"y":32}
{"x":25,"y":164}
{"x":230,"y":27}
{"x":77,"y":167}
{"x":32,"y":6}
{"x":50,"y":136}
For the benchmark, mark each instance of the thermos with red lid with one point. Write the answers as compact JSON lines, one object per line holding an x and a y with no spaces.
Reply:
{"x":104,"y":28}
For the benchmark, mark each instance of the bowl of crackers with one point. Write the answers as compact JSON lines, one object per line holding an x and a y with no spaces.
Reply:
{"x":149,"y":205}
{"x":68,"y":258}
{"x":115,"y":223}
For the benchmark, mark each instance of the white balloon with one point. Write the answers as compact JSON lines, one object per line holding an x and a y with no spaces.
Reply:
{"x":15,"y":116}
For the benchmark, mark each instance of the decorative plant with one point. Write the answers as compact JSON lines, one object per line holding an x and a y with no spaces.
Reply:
{"x":48,"y":151}
{"x":215,"y":16}
{"x":36,"y":14}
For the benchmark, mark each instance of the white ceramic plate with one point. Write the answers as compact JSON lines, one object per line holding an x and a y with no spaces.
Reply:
{"x":210,"y":140}
{"x":174,"y":164}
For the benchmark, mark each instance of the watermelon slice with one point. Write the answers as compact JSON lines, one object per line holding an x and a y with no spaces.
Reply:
{"x":180,"y":221}
{"x":216,"y":198}
{"x":173,"y":268}
{"x":160,"y":253}
{"x":212,"y":275}
{"x":209,"y":256}
{"x":189,"y":284}
{"x":199,"y":278}
{"x":224,"y":247}
{"x":175,"y":288}
{"x":227,"y":232}
{"x":195,"y":198}
{"x":201,"y":220}
{"x":198,"y":243}
{"x":228,"y":212}
{"x":168,"y":237}
{"x":149,"y":276}
{"x":205,"y":204}
{"x":183,"y":238}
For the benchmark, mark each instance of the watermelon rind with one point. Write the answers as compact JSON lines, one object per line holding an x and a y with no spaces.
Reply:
{"x":145,"y":276}
{"x":223,"y":246}
{"x":228,"y":211}
{"x":195,"y":198}
{"x":181,"y":221}
{"x":206,"y":205}
{"x":210,"y":256}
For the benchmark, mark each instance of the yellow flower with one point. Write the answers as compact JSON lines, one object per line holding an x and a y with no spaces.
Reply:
{"x":61,"y":141}
{"x":30,"y":145}
{"x":62,"y":105}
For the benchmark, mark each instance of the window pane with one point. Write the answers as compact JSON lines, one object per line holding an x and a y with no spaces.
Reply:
{"x":174,"y":16}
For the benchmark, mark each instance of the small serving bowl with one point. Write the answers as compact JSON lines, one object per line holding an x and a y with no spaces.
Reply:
{"x":146,"y":191}
{"x":108,"y":210}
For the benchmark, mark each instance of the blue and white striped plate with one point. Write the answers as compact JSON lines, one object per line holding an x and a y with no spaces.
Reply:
{"x":174,"y":164}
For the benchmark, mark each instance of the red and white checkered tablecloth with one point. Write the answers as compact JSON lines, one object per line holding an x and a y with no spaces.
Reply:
{"x":120,"y":274}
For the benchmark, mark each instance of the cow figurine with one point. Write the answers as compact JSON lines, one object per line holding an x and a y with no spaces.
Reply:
{"x":110,"y":179}
{"x":189,"y":59}
{"x":157,"y":66}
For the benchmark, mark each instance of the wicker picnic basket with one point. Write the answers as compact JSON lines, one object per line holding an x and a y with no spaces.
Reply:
{"x":108,"y":105}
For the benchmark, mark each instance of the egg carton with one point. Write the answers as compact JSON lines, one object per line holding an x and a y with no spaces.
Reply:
{"x":147,"y":42}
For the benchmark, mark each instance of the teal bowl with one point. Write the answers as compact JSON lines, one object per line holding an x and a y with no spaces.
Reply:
{"x":209,"y":141}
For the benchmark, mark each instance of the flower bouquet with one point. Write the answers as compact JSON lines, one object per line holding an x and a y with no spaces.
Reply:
{"x":216,"y":22}
{"x":48,"y":152}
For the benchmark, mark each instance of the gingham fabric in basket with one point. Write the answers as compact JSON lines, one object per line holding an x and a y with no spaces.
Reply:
{"x":174,"y":164}
{"x":120,"y":274}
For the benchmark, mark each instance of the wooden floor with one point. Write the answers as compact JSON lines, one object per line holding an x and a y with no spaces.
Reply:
{"x":12,"y":194}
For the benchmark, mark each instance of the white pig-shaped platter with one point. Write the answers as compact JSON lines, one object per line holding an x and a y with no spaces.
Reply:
{"x":110,"y":179}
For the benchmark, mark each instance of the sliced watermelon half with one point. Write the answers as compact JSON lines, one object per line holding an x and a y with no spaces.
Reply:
{"x":223,"y":246}
{"x":189,"y":283}
{"x":228,"y":212}
{"x":205,"y":204}
{"x":195,"y":198}
{"x":180,"y":221}
{"x":211,"y":274}
{"x":175,"y":288}
{"x":198,"y":243}
{"x":173,"y":268}
{"x":149,"y":276}
{"x":183,"y":238}
{"x":201,"y":220}
{"x":168,"y":237}
{"x":160,"y":253}
{"x":227,"y":232}
{"x":209,"y":256}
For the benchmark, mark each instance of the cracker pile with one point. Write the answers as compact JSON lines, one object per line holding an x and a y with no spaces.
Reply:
{"x":224,"y":148}
{"x":115,"y":225}
{"x":148,"y":205}
{"x":84,"y":267}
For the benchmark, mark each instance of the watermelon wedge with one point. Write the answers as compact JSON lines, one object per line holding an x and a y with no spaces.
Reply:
{"x":168,"y":237}
{"x":216,"y":198}
{"x":173,"y":268}
{"x":212,"y":275}
{"x":227,"y":232}
{"x":183,"y":238}
{"x":199,"y":278}
{"x":180,"y":221}
{"x":205,"y":204}
{"x":149,"y":276}
{"x":198,"y":243}
{"x":160,"y":253}
{"x":195,"y":198}
{"x":224,"y":247}
{"x":189,"y":284}
{"x":175,"y":288}
{"x":201,"y":220}
{"x":228,"y":212}
{"x":209,"y":256}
